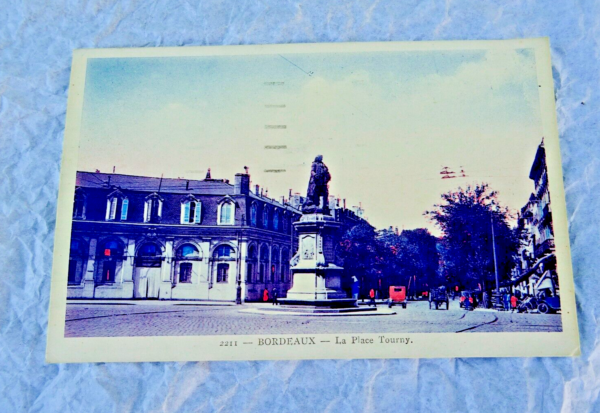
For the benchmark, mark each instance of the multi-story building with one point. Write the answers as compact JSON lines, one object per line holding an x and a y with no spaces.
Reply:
{"x":537,"y":261}
{"x":145,"y":237}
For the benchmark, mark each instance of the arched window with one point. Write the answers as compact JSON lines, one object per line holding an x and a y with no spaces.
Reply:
{"x":285,"y":264}
{"x":109,"y":256}
{"x":153,"y":208}
{"x":224,"y":252}
{"x":253,"y":214}
{"x":274,"y":264}
{"x":226,"y":213}
{"x":77,"y":259}
{"x":250,"y":263}
{"x":276,"y":220}
{"x":79,"y":204}
{"x":186,"y":252}
{"x":117,"y":206}
{"x":112,"y":249}
{"x":266,"y":216}
{"x":221,"y":254}
{"x":149,"y":255}
{"x":191,"y":209}
{"x":264,"y":262}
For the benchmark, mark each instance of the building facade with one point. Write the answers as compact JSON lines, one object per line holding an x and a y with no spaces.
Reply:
{"x":136,"y":237}
{"x":536,"y":269}
{"x":144,"y":237}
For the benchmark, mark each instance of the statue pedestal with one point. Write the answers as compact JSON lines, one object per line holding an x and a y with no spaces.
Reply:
{"x":316,"y":277}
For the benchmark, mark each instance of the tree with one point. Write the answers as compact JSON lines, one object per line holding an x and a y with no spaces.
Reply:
{"x":466,"y":217}
{"x":413,"y":260}
{"x":361,"y":255}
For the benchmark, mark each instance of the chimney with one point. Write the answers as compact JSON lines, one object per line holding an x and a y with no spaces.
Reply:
{"x":242,"y":184}
{"x":344,"y":203}
{"x":256,"y":190}
{"x":282,"y":200}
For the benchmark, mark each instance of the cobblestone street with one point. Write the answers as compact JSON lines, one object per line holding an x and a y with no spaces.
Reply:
{"x":113,"y":320}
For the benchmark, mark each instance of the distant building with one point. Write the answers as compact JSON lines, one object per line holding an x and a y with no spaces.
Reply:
{"x":146,"y":237}
{"x":536,"y":270}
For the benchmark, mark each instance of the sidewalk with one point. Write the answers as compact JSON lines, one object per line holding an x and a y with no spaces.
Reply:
{"x":155,"y":303}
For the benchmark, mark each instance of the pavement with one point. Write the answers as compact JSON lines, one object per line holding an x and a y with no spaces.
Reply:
{"x":147,"y":318}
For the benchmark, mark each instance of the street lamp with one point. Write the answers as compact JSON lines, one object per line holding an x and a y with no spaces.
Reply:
{"x":494,"y":250}
{"x":238,"y":297}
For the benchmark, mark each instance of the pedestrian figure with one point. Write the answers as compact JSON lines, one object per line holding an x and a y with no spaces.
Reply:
{"x":355,"y":288}
{"x":513,"y":302}
{"x":372,"y":295}
{"x":506,"y":299}
{"x":275,"y":302}
{"x":266,"y":295}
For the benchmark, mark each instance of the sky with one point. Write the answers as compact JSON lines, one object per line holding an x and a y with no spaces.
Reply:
{"x":386,"y":123}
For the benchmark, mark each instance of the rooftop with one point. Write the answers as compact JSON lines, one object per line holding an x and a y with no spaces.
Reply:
{"x":147,"y":183}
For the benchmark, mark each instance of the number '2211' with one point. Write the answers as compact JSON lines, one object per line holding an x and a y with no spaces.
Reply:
{"x":228,"y":344}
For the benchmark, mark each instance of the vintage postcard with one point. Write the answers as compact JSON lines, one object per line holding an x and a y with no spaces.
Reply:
{"x":312,"y":201}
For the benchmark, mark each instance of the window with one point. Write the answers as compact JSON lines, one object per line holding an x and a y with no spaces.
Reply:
{"x":249,"y":272}
{"x":109,"y":257}
{"x":108,"y":271}
{"x":285,"y":264}
{"x":276,"y":220}
{"x":79,"y":204}
{"x":274,"y":264}
{"x":284,"y":222}
{"x":222,"y":273}
{"x":124,"y":209}
{"x":266,"y":217}
{"x":253,"y":214}
{"x":111,"y":249}
{"x":73,"y":272}
{"x":224,"y":252}
{"x":226,"y":213}
{"x":250,"y":263}
{"x":149,"y":255}
{"x":117,"y":206}
{"x":190,"y":211}
{"x":264,"y":262}
{"x":77,"y":258}
{"x":187,"y":252}
{"x":153,"y":208}
{"x":185,"y":272}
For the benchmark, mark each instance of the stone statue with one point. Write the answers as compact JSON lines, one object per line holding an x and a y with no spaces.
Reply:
{"x":318,"y":188}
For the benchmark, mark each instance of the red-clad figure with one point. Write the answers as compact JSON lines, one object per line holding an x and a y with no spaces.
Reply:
{"x":513,"y":302}
{"x":266,"y":295}
{"x":372,"y":296}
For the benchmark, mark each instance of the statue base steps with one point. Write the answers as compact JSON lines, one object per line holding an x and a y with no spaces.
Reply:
{"x":338,"y":303}
{"x":317,"y":309}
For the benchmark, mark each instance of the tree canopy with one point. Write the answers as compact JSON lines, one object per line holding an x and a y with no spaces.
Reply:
{"x":383,"y":258}
{"x":473,"y":224}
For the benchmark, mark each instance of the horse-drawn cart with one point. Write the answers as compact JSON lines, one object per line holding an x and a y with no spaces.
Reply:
{"x":438,"y":296}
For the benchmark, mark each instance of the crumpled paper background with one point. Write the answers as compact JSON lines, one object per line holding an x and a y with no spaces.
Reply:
{"x":36,"y":40}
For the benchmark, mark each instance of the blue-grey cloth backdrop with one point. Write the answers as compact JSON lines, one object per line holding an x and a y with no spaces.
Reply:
{"x":36,"y":40}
